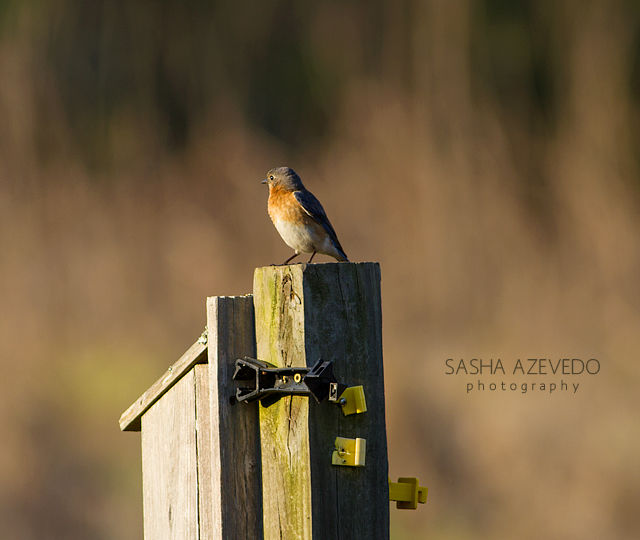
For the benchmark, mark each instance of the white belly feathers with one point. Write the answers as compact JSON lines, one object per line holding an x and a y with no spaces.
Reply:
{"x":296,"y":236}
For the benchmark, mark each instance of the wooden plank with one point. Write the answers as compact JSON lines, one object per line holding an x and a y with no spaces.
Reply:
{"x":203,"y":451}
{"x":196,"y":354}
{"x":305,"y":313}
{"x":286,"y":474}
{"x":169,"y":465}
{"x":235,"y":446}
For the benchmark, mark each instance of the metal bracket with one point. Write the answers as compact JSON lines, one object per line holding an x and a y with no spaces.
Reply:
{"x":352,"y":401}
{"x":349,"y":452}
{"x":258,"y":380}
{"x":407,"y":493}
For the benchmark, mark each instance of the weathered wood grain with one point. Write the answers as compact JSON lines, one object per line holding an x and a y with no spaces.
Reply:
{"x":196,"y":354}
{"x":304,"y":313}
{"x":236,"y":499}
{"x":203,"y":452}
{"x":286,"y":474}
{"x":169,"y":464}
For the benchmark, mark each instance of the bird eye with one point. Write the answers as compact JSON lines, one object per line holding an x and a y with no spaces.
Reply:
{"x":271,"y":177}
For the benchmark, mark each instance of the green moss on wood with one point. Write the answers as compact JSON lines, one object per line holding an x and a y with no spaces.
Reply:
{"x":303,"y":313}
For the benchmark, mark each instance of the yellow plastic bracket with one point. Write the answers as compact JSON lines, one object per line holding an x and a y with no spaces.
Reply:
{"x":407,"y":493}
{"x":349,"y":452}
{"x":352,"y":400}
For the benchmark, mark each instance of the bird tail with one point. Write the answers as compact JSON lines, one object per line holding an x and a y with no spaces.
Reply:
{"x":341,"y":256}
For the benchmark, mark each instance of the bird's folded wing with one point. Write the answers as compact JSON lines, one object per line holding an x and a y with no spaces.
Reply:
{"x":312,"y":206}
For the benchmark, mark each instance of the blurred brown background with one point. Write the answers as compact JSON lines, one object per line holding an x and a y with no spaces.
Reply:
{"x":486,"y":153}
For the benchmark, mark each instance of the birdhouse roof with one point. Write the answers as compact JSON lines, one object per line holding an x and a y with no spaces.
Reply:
{"x":196,"y":354}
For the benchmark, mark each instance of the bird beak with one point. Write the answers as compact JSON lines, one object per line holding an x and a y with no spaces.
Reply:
{"x":265,"y":181}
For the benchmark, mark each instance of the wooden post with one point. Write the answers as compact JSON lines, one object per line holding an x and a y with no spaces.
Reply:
{"x":305,"y":313}
{"x":236,"y":500}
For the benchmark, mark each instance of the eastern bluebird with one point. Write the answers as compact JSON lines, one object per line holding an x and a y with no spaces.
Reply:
{"x":299,"y":217}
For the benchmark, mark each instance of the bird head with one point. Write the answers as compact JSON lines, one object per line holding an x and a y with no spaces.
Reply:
{"x":284,"y":178}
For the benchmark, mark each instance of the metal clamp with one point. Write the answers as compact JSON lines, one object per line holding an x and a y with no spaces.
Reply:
{"x":258,"y":380}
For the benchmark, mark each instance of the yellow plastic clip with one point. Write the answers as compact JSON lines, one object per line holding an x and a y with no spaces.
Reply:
{"x":352,"y":400}
{"x":407,"y":493}
{"x":349,"y":452}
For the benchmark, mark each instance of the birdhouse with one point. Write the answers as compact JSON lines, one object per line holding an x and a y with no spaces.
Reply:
{"x":262,"y":429}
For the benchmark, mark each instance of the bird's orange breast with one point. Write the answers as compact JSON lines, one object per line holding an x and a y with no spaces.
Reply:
{"x":283,"y":206}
